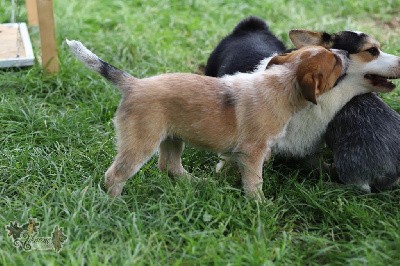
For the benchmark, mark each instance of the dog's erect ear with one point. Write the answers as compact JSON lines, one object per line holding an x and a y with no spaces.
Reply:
{"x":311,"y":85}
{"x":277,"y":60}
{"x":301,"y":38}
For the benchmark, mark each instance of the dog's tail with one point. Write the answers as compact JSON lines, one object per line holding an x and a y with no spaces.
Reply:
{"x":121,"y":79}
{"x":251,"y":23}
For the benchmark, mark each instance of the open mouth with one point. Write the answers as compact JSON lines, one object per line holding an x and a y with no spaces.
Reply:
{"x":380,"y":81}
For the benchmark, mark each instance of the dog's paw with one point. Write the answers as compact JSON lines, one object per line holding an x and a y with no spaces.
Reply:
{"x":114,"y":189}
{"x":193,"y":178}
{"x":255,"y":193}
{"x":219,"y":166}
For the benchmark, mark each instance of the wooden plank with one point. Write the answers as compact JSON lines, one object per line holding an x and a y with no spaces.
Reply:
{"x":9,"y":42}
{"x":47,"y":36}
{"x":15,"y":48}
{"x":31,"y":10}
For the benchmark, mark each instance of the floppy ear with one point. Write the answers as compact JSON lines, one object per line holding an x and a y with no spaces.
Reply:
{"x":277,"y":60}
{"x":301,"y":38}
{"x":311,"y":85}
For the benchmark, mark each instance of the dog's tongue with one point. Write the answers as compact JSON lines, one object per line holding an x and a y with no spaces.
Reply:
{"x":379,"y":81}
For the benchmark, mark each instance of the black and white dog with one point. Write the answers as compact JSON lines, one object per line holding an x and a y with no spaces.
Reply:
{"x":365,"y":140}
{"x":243,"y":49}
{"x":358,"y":141}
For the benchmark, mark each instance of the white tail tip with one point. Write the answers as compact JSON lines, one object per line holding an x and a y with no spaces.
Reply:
{"x":84,"y":54}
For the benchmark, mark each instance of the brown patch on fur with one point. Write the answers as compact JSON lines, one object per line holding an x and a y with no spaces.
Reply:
{"x":242,"y":114}
{"x":312,"y":71}
{"x":364,"y":57}
{"x":279,"y":60}
{"x":317,"y":74}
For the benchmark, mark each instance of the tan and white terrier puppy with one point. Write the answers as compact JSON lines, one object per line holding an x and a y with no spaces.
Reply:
{"x":240,"y":116}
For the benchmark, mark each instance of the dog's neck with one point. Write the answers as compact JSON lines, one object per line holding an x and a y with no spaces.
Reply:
{"x":313,"y":120}
{"x":333,"y":100}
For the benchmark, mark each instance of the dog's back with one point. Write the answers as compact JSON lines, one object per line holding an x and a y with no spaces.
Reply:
{"x":243,"y":49}
{"x":365,"y":139}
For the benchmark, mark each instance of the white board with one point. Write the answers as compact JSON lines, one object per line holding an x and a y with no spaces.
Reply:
{"x":15,"y":47}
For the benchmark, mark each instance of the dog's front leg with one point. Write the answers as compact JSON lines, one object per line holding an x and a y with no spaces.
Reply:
{"x":251,"y":163}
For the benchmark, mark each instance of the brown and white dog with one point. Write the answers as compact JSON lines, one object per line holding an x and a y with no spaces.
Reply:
{"x":242,"y":115}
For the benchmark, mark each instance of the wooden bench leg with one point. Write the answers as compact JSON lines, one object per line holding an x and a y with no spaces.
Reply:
{"x":31,"y":10}
{"x":47,"y":36}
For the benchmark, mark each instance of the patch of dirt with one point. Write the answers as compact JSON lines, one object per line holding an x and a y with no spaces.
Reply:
{"x":394,"y":23}
{"x":384,"y":30}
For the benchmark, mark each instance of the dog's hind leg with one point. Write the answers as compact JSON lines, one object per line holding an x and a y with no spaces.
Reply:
{"x":170,"y":153}
{"x":126,"y":164}
{"x":137,"y":142}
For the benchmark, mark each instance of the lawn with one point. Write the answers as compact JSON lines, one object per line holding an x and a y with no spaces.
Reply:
{"x":57,"y":140}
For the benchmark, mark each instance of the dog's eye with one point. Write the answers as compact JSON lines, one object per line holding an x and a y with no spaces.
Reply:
{"x":373,"y":51}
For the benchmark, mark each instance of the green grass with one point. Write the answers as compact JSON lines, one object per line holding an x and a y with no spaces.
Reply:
{"x":57,"y":140}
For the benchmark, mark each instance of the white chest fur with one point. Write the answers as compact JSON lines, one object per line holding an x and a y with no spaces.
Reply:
{"x":304,"y":132}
